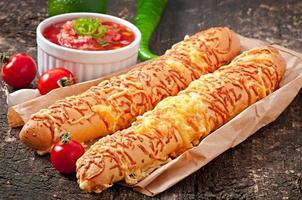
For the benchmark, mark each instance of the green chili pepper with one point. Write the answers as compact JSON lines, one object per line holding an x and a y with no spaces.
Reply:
{"x":89,"y":27}
{"x":86,"y":26}
{"x":148,"y":15}
{"x":56,"y":7}
{"x":101,"y":32}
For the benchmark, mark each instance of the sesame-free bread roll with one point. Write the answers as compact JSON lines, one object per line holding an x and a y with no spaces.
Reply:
{"x":115,"y":103}
{"x":178,"y":123}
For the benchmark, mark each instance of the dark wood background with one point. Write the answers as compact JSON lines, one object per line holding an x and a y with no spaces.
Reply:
{"x":268,"y":165}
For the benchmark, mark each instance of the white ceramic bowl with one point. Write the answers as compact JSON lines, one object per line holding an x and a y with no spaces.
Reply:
{"x":86,"y":65}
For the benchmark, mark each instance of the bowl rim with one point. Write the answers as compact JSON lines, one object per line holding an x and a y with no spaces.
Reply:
{"x":69,"y":16}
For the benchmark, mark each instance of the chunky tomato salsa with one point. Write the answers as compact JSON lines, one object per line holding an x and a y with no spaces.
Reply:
{"x":89,"y":34}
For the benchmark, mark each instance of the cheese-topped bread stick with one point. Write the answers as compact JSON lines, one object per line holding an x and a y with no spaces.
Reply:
{"x":178,"y":123}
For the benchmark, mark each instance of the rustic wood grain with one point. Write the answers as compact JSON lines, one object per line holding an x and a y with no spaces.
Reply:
{"x":268,"y":165}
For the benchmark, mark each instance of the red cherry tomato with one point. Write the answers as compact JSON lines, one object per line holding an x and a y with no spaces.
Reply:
{"x":18,"y":70}
{"x":65,"y":154}
{"x":55,"y":78}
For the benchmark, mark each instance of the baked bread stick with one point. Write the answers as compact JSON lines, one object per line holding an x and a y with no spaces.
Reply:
{"x":178,"y":123}
{"x":115,"y":103}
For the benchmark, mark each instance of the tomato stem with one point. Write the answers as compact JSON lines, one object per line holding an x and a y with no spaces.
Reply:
{"x":65,"y":138}
{"x":65,"y":81}
{"x":4,"y":58}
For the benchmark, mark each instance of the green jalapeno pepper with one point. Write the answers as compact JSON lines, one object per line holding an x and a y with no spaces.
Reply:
{"x":148,"y":15}
{"x":56,"y":7}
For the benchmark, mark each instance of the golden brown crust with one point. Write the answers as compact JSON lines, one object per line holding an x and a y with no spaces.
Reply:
{"x":31,"y":138}
{"x":178,"y":123}
{"x":115,"y":103}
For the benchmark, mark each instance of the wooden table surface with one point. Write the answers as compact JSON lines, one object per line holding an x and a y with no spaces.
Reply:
{"x":268,"y":165}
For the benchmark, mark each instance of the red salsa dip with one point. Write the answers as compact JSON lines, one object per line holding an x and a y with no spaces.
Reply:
{"x":91,"y":34}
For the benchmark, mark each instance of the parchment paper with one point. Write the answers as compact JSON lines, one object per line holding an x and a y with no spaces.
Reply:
{"x":229,"y":135}
{"x":235,"y":131}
